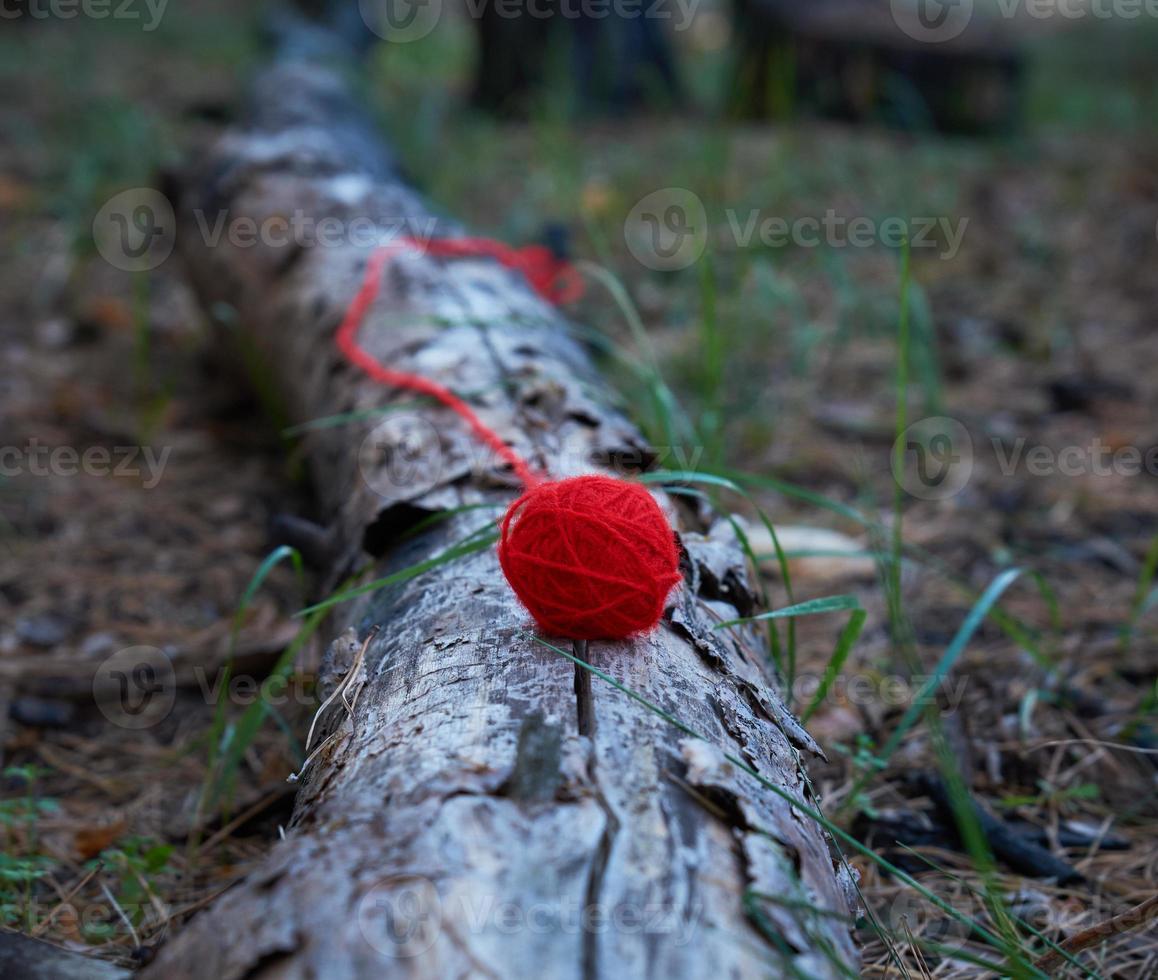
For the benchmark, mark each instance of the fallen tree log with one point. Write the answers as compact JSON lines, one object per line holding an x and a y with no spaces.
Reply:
{"x":33,"y":959}
{"x":486,"y":808}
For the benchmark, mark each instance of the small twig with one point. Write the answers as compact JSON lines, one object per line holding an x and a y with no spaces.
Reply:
{"x":158,"y":906}
{"x":195,"y":906}
{"x":293,"y":777}
{"x":584,"y":706}
{"x":1079,"y":941}
{"x":339,"y":692}
{"x":66,"y":899}
{"x":248,"y":814}
{"x":1093,"y":741}
{"x":1007,"y":843}
{"x":121,"y":913}
{"x":716,"y":811}
{"x":915,"y":950}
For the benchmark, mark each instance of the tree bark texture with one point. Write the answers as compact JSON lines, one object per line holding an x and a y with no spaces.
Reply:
{"x":487,"y":809}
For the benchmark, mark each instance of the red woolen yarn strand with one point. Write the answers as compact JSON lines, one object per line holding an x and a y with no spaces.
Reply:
{"x":591,"y":557}
{"x":347,"y":340}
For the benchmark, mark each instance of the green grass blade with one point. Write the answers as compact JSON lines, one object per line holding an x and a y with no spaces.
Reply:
{"x":1145,"y":595}
{"x":442,"y":516}
{"x":788,"y":798}
{"x":248,"y":726}
{"x":713,"y":361}
{"x":813,"y":607}
{"x":893,"y":570}
{"x":668,"y":415}
{"x":789,"y":489}
{"x":844,"y":644}
{"x":272,"y":560}
{"x":220,"y":734}
{"x":964,"y":634}
{"x":1022,"y":923}
{"x":468,"y":546}
{"x":786,"y":665}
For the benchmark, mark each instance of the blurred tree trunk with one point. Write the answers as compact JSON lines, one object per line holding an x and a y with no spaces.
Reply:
{"x":487,"y":809}
{"x":852,"y":60}
{"x":615,"y":64}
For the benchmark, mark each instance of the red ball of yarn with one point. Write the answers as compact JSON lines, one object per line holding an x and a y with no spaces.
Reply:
{"x":591,"y":557}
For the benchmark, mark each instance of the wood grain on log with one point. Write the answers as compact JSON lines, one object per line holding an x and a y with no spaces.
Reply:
{"x":486,"y":810}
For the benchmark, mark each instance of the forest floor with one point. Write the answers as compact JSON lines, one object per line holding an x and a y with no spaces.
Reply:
{"x":136,"y":509}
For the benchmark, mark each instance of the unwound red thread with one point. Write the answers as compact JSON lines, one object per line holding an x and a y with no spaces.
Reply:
{"x":347,"y":338}
{"x":590,"y":557}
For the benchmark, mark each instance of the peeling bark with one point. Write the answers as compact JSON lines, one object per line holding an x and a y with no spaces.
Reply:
{"x":487,"y":810}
